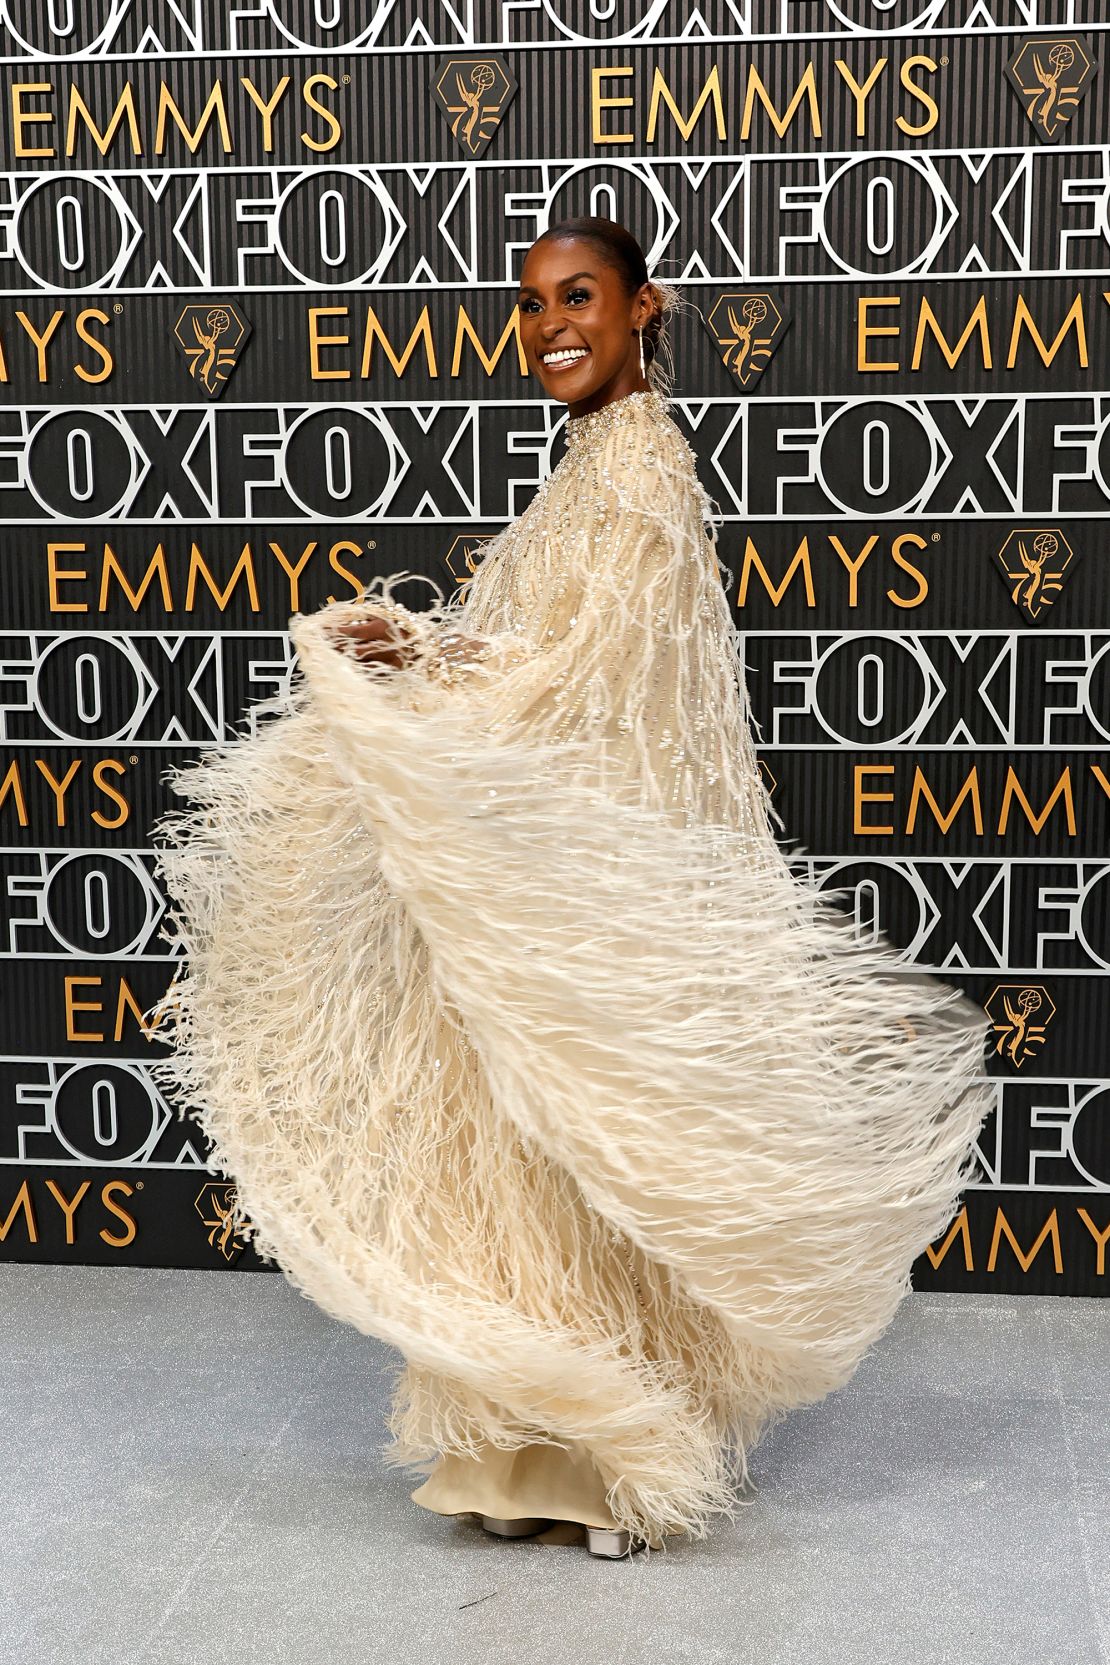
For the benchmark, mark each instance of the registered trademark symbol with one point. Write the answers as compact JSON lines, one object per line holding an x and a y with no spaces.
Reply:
{"x":346,"y":80}
{"x":118,"y":307}
{"x":935,"y":537}
{"x":373,"y":543}
{"x":139,"y":1184}
{"x":944,"y":63}
{"x":132,"y":758}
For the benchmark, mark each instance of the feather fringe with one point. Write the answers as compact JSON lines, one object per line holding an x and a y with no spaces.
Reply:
{"x":526,"y":1050}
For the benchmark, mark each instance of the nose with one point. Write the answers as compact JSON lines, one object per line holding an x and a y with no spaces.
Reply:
{"x":554,"y":320}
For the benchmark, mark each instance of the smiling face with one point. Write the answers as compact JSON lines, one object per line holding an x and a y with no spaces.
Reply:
{"x":578,"y":326}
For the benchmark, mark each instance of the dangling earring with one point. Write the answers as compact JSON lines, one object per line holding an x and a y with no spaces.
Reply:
{"x":643,"y":371}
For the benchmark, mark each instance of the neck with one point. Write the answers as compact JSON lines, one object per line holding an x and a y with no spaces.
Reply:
{"x":577,"y":414}
{"x":619,"y":388}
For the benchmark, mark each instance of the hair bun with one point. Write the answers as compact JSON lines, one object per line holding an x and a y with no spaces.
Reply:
{"x":669,"y":299}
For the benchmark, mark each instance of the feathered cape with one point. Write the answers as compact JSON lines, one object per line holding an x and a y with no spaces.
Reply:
{"x":525,"y":1049}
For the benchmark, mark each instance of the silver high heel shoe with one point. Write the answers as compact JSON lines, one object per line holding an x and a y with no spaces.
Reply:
{"x":611,"y":1543}
{"x":607,"y":1542}
{"x":522,"y":1528}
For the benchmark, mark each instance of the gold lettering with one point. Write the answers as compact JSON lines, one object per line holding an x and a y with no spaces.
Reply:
{"x":806,"y":89}
{"x":865,"y":330}
{"x":860,"y":797}
{"x":926,"y":319}
{"x":465,"y":331}
{"x":753,"y":560}
{"x":214,"y":108}
{"x":915,"y":542}
{"x":56,"y":575}
{"x":1101,"y":1238}
{"x":1101,"y":778}
{"x":68,"y":1208}
{"x":293,"y":573}
{"x":124,"y":110}
{"x":345,"y":547}
{"x":853,"y":566}
{"x":661,"y":93}
{"x":266,"y":108}
{"x":598,"y":102}
{"x":22,"y":118}
{"x":109,"y":1202}
{"x":199,"y":566}
{"x":921,"y":789}
{"x":72,"y":1006}
{"x":316,"y":341}
{"x":1050,"y":1229}
{"x":111,"y":568}
{"x":335,"y":131}
{"x":911,"y":86}
{"x":126,"y":1002}
{"x":1013,"y":789}
{"x":13,"y":783}
{"x":58,"y":787}
{"x":102,"y":767}
{"x":374,"y":331}
{"x":860,"y":93}
{"x":41,"y":341}
{"x":93,"y":314}
{"x":959,"y":1228}
{"x":1023,"y":319}
{"x":22,"y":1201}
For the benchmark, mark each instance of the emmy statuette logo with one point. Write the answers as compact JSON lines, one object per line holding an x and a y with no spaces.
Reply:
{"x":215,"y":1203}
{"x":1034,"y":562}
{"x":1050,"y":74}
{"x":746,"y":325}
{"x":212,"y":337}
{"x":465,"y":555}
{"x":474,"y":94}
{"x":1020,"y":1013}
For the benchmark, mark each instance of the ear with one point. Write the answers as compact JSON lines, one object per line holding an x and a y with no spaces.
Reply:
{"x":647,"y":304}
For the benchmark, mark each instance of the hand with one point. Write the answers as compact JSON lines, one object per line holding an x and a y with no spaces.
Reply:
{"x":452,"y":647}
{"x":378,"y":639}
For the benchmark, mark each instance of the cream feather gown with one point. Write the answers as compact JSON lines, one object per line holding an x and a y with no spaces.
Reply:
{"x":526,"y":1051}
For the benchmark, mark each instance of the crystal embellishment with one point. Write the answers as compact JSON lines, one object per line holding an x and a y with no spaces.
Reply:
{"x":595,"y":424}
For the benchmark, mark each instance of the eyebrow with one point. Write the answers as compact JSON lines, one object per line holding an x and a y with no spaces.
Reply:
{"x":526,"y":288}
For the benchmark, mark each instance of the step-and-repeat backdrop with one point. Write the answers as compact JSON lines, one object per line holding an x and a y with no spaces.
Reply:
{"x":258,"y":343}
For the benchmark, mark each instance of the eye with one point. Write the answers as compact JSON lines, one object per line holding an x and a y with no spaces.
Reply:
{"x":569,"y":295}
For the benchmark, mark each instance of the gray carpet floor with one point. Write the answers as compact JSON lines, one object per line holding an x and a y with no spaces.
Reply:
{"x":190,"y":1473}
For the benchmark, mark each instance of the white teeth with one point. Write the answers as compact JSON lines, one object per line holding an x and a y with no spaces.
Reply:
{"x":566,"y":356}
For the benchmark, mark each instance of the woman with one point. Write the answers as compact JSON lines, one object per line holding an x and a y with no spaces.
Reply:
{"x":525,"y":1048}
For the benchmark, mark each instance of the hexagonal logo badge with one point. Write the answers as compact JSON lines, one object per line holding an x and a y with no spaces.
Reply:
{"x":212,"y":335}
{"x":746,"y":325}
{"x":1034,"y":562}
{"x":465,"y":555}
{"x":474,"y":93}
{"x":1020,"y":1013}
{"x":1050,"y":74}
{"x":215,"y":1203}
